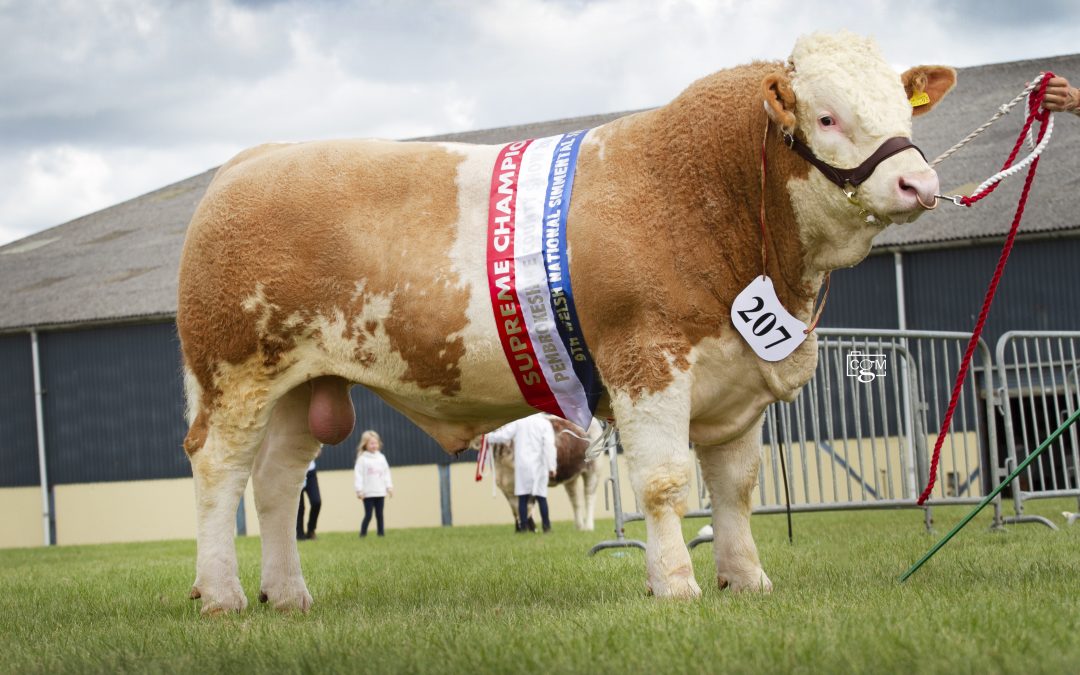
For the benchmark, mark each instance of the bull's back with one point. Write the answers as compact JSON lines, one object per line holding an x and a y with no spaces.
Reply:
{"x":340,"y":246}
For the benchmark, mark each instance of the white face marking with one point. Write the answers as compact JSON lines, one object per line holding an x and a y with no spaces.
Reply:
{"x":846,"y":113}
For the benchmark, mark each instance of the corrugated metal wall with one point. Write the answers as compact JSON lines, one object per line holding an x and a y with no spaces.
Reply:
{"x":114,"y":406}
{"x":114,"y":410}
{"x":114,"y":399}
{"x":863,"y":296}
{"x":1040,"y":290}
{"x":18,"y":435}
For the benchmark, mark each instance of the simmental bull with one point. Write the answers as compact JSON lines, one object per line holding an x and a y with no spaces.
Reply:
{"x":311,"y":267}
{"x":580,"y":478}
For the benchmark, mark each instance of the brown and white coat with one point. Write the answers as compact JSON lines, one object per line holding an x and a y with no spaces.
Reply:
{"x":313,"y":266}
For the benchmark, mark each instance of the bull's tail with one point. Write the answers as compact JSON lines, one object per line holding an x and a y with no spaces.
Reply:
{"x":192,"y":396}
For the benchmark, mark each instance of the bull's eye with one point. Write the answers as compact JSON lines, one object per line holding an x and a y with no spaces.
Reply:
{"x":826,"y":121}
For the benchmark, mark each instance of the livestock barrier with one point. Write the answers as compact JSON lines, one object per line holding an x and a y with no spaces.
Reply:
{"x":858,"y":435}
{"x":1038,"y":378}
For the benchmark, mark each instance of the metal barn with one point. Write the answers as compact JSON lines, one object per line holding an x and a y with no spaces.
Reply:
{"x":91,"y":401}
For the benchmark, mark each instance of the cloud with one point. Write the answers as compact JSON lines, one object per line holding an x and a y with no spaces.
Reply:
{"x":50,"y":183}
{"x":104,"y":101}
{"x":55,"y":183}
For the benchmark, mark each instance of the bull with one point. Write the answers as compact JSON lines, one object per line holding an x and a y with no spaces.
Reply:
{"x":311,"y":267}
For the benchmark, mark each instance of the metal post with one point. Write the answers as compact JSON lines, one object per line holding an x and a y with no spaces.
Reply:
{"x":620,"y":540}
{"x":444,"y":494}
{"x":901,"y":310}
{"x":911,"y":478}
{"x":39,"y":414}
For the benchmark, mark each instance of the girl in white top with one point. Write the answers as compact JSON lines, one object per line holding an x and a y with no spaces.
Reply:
{"x":372,"y":480}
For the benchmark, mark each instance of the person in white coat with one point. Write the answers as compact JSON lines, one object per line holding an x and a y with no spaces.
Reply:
{"x":371,"y":478}
{"x":534,"y":463}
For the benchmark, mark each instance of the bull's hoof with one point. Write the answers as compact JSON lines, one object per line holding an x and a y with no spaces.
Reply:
{"x":229,"y":599}
{"x":677,"y":587}
{"x":754,"y":582}
{"x":232,"y":604}
{"x":288,"y":596}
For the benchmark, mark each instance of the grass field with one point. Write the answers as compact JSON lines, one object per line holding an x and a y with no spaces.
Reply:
{"x":482,"y":599}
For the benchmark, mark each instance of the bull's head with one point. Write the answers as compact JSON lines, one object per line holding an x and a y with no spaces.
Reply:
{"x":844,"y":105}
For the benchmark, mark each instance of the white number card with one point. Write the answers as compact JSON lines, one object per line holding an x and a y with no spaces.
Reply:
{"x":764,"y":323}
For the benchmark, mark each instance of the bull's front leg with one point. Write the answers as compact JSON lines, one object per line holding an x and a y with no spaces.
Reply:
{"x":731,"y":472}
{"x":654,"y":432}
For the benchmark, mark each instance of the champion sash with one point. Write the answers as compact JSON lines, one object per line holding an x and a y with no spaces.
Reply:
{"x":529,"y":277}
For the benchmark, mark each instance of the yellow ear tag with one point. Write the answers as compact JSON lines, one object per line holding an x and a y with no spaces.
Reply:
{"x":919,"y":98}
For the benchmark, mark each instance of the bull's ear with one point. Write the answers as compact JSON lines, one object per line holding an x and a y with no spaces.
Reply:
{"x":779,"y":100}
{"x":927,"y":85}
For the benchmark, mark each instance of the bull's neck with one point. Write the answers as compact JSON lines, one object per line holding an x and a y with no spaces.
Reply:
{"x":710,"y":159}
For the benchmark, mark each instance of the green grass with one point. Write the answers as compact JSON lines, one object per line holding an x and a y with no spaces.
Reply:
{"x":481,"y":599}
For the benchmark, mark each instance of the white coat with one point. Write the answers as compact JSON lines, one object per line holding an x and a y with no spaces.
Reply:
{"x":371,"y":474}
{"x":534,"y":452}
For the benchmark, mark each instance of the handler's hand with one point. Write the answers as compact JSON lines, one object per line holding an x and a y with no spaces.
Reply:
{"x":359,"y":495}
{"x":1060,"y":96}
{"x":551,"y":475}
{"x":389,"y":492}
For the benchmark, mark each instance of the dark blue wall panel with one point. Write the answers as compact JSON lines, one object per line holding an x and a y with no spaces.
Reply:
{"x":114,"y":398}
{"x":863,"y":296}
{"x":114,"y":407}
{"x":18,"y":433}
{"x":1040,"y":289}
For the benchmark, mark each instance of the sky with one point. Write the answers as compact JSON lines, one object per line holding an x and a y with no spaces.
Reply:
{"x":101,"y":101}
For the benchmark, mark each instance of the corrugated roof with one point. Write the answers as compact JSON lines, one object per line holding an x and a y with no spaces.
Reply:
{"x":121,"y":263}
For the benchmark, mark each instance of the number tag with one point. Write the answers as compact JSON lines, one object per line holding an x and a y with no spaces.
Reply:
{"x":764,"y":323}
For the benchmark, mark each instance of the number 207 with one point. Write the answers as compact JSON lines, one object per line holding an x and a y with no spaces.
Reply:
{"x":764,"y":323}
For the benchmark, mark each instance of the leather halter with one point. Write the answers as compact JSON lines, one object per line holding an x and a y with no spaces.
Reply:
{"x":846,"y":179}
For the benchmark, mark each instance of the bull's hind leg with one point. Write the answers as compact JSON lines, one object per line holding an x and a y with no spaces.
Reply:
{"x":591,"y":478}
{"x":221,"y":468}
{"x":577,"y":500}
{"x":654,"y":430}
{"x":280,"y":469}
{"x":731,"y":472}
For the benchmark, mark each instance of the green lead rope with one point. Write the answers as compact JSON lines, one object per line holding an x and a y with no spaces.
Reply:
{"x":990,"y":497}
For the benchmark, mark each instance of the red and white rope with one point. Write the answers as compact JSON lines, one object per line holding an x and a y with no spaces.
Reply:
{"x":1025,"y":163}
{"x":1044,"y":118}
{"x":1002,"y":111}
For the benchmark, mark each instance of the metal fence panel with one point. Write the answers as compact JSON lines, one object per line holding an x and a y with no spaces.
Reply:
{"x":1039,"y":387}
{"x":860,"y":433}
